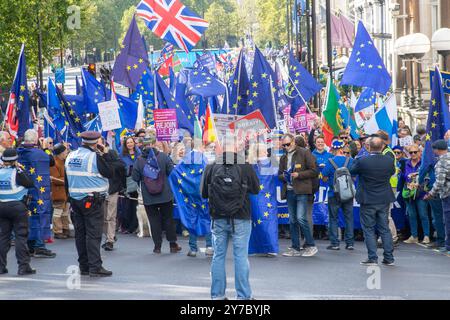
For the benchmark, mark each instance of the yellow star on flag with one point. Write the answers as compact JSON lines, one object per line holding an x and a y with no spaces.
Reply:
{"x":77,"y":119}
{"x":250,"y":103}
{"x":179,"y":181}
{"x":141,"y":60}
{"x":433,"y":102}
{"x":435,"y":114}
{"x":264,"y":75}
{"x":259,"y":221}
{"x":78,"y":134}
{"x":21,"y":98}
{"x":39,"y":179}
{"x":297,"y":74}
{"x":235,"y":81}
{"x":42,"y":189}
{"x":186,"y":200}
{"x":40,"y":202}
{"x":269,"y":205}
{"x":433,"y":125}
{"x":194,"y":205}
{"x":192,"y":171}
{"x":203,"y":206}
{"x":255,"y":94}
{"x":255,"y":84}
{"x":32,"y":170}
{"x":71,"y":112}
{"x":128,"y":68}
{"x":267,"y":195}
{"x":180,"y":190}
{"x":22,"y":88}
{"x":266,"y":214}
{"x":428,"y":137}
{"x":35,"y":210}
{"x":200,"y":171}
{"x":184,"y":174}
{"x":261,"y":187}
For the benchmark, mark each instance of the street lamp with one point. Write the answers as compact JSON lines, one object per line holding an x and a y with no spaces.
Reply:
{"x":441,"y":43}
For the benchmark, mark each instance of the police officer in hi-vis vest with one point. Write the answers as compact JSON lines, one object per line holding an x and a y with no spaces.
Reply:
{"x":87,"y":173}
{"x":13,"y":212}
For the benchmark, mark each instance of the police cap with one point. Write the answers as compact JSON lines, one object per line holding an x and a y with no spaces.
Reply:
{"x":90,"y":137}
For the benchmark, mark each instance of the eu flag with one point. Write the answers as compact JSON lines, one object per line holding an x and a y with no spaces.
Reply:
{"x":365,"y":67}
{"x":185,"y":181}
{"x":167,"y":101}
{"x":264,"y":236}
{"x":437,"y":117}
{"x":263,"y":88}
{"x":128,"y":111}
{"x":302,"y":85}
{"x":54,"y":106}
{"x":19,"y":93}
{"x":77,"y":103}
{"x":366,"y":99}
{"x":93,"y":92}
{"x":202,"y":83}
{"x":239,"y":89}
{"x":133,"y":58}
{"x":180,"y":94}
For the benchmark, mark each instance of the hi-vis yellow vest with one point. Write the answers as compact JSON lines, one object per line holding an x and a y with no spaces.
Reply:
{"x":394,"y":179}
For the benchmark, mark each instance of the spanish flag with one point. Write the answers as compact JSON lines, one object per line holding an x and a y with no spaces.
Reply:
{"x":209,"y":130}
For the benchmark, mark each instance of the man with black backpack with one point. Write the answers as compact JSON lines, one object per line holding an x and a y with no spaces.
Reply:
{"x":341,"y":191}
{"x":227,"y":184}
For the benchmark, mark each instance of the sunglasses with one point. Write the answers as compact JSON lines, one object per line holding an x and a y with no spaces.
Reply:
{"x":346,"y":152}
{"x":50,"y":142}
{"x":285,"y":145}
{"x":397,"y":152}
{"x":413,"y":152}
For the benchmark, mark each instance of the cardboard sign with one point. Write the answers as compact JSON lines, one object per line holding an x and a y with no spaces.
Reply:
{"x":301,"y":122}
{"x":222,"y":122}
{"x":166,"y":124}
{"x":109,"y":115}
{"x":250,"y":126}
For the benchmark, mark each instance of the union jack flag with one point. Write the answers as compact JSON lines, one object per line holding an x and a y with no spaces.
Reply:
{"x":172,"y":21}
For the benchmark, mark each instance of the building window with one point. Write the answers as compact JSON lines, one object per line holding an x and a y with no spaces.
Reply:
{"x":435,"y":17}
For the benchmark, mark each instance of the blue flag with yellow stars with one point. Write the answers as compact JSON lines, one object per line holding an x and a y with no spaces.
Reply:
{"x":366,"y":67}
{"x":264,"y":236}
{"x":366,"y":99}
{"x":77,"y":103}
{"x":19,"y":91}
{"x":36,"y":164}
{"x":239,"y":84}
{"x":132,"y":60}
{"x":93,"y":92}
{"x":263,"y":89}
{"x":146,"y":90}
{"x":202,"y":83}
{"x":180,"y":94}
{"x":302,"y":85}
{"x":167,"y":101}
{"x":438,"y":115}
{"x":54,"y":106}
{"x":128,"y":111}
{"x":185,"y":181}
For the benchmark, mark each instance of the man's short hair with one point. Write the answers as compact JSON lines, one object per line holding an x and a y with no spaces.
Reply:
{"x":300,"y":141}
{"x":376,"y":144}
{"x":383,"y":135}
{"x":31,"y":136}
{"x":421,"y":129}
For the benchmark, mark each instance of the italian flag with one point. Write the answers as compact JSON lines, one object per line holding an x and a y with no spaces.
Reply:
{"x":331,"y":120}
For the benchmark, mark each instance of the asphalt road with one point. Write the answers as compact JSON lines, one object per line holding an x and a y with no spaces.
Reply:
{"x":420,"y":273}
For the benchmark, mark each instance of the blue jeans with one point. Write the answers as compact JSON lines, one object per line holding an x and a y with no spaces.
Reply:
{"x":438,"y":220}
{"x":298,"y":209}
{"x":414,"y":208}
{"x":36,"y":244}
{"x":377,"y":216}
{"x":193,"y":241}
{"x":222,"y":231}
{"x":446,"y":209}
{"x":333,"y":209}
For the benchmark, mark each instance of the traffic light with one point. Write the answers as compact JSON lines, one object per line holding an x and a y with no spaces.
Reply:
{"x":92,"y":69}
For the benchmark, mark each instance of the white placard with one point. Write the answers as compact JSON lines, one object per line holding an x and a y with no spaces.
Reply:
{"x":109,"y":115}
{"x":406,"y":141}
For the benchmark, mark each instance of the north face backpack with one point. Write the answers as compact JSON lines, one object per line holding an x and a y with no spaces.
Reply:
{"x":227,"y":192}
{"x":343,"y":186}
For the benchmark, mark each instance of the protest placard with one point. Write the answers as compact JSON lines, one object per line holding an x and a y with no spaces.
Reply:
{"x":109,"y":115}
{"x":166,"y":124}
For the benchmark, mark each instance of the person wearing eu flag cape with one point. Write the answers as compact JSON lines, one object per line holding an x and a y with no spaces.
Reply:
{"x":37,"y":163}
{"x":264,"y":236}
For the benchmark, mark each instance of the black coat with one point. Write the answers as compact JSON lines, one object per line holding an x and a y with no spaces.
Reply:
{"x":374,"y":173}
{"x":248,"y":175}
{"x":118,"y":182}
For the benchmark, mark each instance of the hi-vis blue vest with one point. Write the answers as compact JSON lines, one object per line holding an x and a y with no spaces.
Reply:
{"x":83,"y":176}
{"x":9,"y":190}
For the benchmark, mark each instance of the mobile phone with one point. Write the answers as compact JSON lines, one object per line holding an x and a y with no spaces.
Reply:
{"x":100,"y":147}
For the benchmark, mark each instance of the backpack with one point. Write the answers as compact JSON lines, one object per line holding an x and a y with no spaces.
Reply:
{"x":343,"y":186}
{"x":153,"y":178}
{"x":227,"y":191}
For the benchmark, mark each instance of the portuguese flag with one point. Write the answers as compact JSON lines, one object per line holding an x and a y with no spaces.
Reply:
{"x":332,"y":121}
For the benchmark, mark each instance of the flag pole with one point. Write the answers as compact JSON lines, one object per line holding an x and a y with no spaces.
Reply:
{"x":301,"y":96}
{"x":239,"y":82}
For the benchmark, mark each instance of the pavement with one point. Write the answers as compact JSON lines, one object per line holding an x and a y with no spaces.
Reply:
{"x":419,"y":273}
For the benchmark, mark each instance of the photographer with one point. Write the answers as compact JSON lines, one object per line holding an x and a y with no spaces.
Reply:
{"x":87,"y":172}
{"x":14,"y":212}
